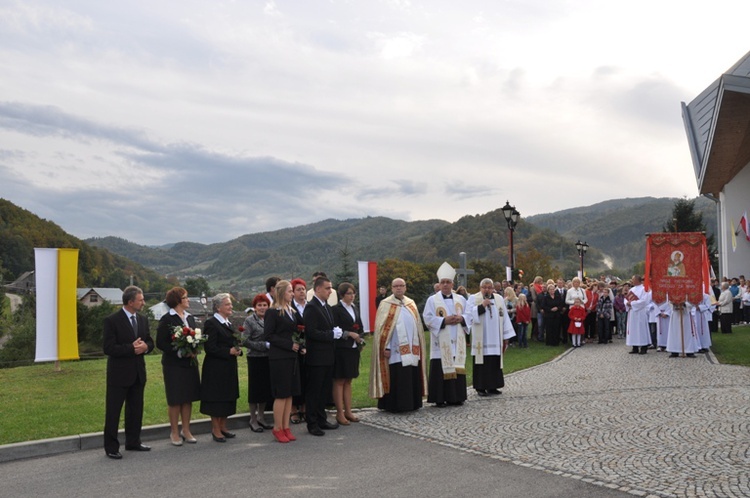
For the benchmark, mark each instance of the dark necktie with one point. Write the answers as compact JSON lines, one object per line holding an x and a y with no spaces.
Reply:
{"x":135,"y":325}
{"x":328,"y":312}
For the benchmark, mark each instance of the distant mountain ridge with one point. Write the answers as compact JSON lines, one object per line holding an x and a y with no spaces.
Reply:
{"x":613,"y":229}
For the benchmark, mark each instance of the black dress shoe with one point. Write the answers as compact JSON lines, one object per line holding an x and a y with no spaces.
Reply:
{"x":327,"y":426}
{"x":115,"y":455}
{"x":256,"y":429}
{"x":494,"y":391}
{"x":265,"y":426}
{"x":219,"y":439}
{"x":442,"y":404}
{"x":229,"y":435}
{"x":140,"y":447}
{"x":315,"y":431}
{"x":481,"y":393}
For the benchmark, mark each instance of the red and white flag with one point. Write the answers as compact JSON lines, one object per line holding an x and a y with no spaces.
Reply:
{"x":743,"y":225}
{"x":368,"y":291}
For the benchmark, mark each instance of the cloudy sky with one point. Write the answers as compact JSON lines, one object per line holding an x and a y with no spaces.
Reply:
{"x":161,"y":121}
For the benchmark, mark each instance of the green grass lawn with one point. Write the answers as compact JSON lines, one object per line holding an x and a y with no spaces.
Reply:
{"x":36,"y":402}
{"x":733,"y":348}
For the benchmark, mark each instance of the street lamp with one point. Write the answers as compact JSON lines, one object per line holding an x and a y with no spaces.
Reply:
{"x":582,"y":248}
{"x":511,"y":217}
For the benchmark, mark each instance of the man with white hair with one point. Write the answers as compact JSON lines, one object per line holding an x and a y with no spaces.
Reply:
{"x":491,"y":330}
{"x":443,"y":315}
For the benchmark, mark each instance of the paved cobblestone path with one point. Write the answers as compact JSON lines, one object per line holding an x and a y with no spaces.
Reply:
{"x":649,"y":425}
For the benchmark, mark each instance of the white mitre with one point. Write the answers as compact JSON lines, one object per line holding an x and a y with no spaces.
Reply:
{"x":446,"y":271}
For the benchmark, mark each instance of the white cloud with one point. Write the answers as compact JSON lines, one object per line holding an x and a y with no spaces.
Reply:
{"x":385,"y":108}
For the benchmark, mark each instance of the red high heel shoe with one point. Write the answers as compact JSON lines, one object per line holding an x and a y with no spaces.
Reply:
{"x":289,"y":435}
{"x":280,"y":435}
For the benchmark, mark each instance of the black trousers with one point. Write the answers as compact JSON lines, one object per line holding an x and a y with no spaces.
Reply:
{"x":318,"y":388}
{"x":132,"y":397}
{"x":726,"y":322}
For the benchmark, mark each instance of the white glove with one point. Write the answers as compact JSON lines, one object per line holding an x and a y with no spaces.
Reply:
{"x":337,"y":332}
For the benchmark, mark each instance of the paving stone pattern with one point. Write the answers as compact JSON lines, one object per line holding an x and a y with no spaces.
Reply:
{"x":649,"y":425}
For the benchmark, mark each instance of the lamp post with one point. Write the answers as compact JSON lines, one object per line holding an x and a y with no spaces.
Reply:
{"x":582,"y":248}
{"x":511,"y":217}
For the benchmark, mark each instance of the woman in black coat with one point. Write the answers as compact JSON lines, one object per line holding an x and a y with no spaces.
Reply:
{"x":182,"y":382}
{"x":346,"y":361}
{"x":281,"y":325}
{"x":220,"y":385}
{"x":552,"y":304}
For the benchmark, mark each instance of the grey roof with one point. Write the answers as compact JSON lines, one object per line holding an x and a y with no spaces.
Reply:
{"x":716,"y":124}
{"x":111,"y":294}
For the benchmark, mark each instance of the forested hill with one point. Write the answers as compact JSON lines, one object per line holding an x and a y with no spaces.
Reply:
{"x":298,"y":251}
{"x":618,"y":227}
{"x":21,"y":231}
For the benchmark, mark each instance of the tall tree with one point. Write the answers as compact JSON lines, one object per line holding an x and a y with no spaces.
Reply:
{"x":347,"y":271}
{"x":686,"y":219}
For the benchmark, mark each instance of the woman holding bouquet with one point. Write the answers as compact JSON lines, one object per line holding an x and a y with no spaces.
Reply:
{"x":280,"y":326}
{"x":220,"y":386}
{"x":258,"y":382}
{"x":181,"y":378}
{"x":346,"y":359}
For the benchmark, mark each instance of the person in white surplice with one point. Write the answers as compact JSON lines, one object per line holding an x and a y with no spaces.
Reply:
{"x":637,"y":302}
{"x":491,"y":328}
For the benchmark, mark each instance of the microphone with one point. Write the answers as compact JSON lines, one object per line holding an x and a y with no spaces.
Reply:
{"x":489,"y":308}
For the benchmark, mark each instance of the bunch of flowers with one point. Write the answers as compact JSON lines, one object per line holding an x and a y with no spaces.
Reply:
{"x":188,"y":342}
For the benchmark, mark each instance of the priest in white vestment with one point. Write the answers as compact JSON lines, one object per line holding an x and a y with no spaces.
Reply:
{"x":637,"y":302}
{"x":682,"y":339}
{"x":443,"y":315}
{"x":491,"y":328}
{"x":397,"y":369}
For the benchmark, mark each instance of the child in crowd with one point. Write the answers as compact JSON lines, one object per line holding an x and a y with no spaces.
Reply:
{"x":577,"y":316}
{"x":523,"y":318}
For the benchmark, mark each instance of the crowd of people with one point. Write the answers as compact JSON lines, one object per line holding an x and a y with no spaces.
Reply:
{"x":303,"y":346}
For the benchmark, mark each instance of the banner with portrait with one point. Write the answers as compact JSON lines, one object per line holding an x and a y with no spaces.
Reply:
{"x":677,"y":267}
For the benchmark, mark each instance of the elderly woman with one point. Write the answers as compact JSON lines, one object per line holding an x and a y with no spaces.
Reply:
{"x":259,"y":380}
{"x":346,"y":354}
{"x":282,"y":328}
{"x":182,"y":382}
{"x":575,"y":292}
{"x":552,"y":306}
{"x":220,"y":385}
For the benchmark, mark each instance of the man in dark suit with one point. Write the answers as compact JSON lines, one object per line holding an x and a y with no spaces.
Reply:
{"x":319,"y":335}
{"x":564,"y":321}
{"x":126,"y":340}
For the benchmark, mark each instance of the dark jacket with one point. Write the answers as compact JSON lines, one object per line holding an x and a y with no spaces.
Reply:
{"x":319,"y":334}
{"x":124,"y":367}
{"x":279,"y":331}
{"x":219,"y":380}
{"x":342,"y":318}
{"x":167,"y":323}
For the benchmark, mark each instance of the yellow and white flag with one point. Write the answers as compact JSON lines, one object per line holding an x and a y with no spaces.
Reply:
{"x":734,"y":235}
{"x":56,"y":317}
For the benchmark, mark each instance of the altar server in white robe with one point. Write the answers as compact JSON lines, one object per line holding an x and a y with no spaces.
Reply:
{"x":637,"y":301}
{"x":443,"y":315}
{"x":491,"y":329}
{"x":702,"y":314}
{"x":662,"y":325}
{"x":682,"y":338}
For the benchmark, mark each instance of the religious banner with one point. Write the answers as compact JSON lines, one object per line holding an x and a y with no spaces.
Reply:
{"x":368,"y":291}
{"x":56,"y":272}
{"x":677,"y":267}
